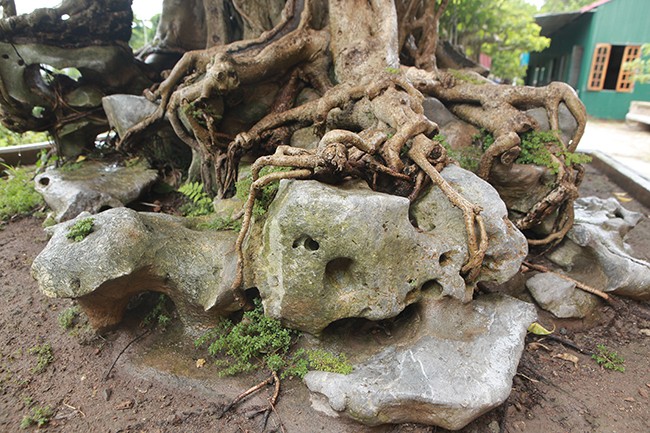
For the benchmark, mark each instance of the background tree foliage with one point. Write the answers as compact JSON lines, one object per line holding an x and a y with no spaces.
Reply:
{"x":502,"y":29}
{"x":143,"y":31}
{"x":563,"y":5}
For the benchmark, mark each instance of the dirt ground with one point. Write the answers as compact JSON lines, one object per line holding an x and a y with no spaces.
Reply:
{"x":155,"y":386}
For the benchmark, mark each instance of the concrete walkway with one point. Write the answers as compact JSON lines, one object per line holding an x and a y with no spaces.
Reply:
{"x":627,"y":145}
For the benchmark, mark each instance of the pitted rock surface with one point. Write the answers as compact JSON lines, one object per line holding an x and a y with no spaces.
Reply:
{"x":130,"y":252}
{"x":92,"y":187}
{"x":459,"y":365}
{"x":329,"y":253}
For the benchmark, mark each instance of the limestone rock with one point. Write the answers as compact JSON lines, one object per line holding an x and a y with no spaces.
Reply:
{"x":594,"y":250}
{"x":560,"y":296}
{"x":130,"y":252}
{"x":93,"y":187}
{"x":124,"y":111}
{"x":354,"y":252}
{"x":459,"y":365}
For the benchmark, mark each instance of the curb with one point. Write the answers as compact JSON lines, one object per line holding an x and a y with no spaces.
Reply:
{"x":24,"y":154}
{"x":635,"y":185}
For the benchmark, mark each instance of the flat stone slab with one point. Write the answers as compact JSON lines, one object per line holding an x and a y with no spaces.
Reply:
{"x":92,"y":187}
{"x":459,"y":365}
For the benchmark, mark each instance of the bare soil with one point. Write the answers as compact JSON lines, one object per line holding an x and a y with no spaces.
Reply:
{"x":156,"y":386}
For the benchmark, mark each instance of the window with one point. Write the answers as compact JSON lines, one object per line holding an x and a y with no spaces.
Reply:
{"x":607,"y":72}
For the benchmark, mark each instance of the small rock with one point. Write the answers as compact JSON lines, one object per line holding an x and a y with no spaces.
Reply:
{"x":126,"y":404}
{"x":494,"y":427}
{"x":645,"y":332}
{"x":560,"y":296}
{"x":107,"y":393}
{"x":643,"y":393}
{"x":629,"y":399}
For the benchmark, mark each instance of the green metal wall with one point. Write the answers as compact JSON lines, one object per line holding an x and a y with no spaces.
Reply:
{"x":619,"y":22}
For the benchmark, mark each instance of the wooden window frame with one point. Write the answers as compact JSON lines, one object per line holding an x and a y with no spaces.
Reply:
{"x":599,"y":64}
{"x":625,"y":81}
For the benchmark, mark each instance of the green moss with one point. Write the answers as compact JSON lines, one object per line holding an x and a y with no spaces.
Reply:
{"x":260,"y":341}
{"x":219,"y":224}
{"x":38,"y":416}
{"x":465,"y":76}
{"x":468,"y":157}
{"x":44,"y":357}
{"x":537,"y":148}
{"x":68,"y":317}
{"x":81,"y":229}
{"x":17,"y":193}
{"x":265,"y":196}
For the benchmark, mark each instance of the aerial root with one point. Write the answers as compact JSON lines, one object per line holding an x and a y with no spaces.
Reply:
{"x":272,"y":401}
{"x":477,"y":242}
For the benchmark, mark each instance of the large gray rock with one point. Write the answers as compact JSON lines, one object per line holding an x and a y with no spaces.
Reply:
{"x":560,"y":296}
{"x":594,"y":251}
{"x":92,"y":187}
{"x":353,"y":252}
{"x":459,"y":365}
{"x":128,"y":253}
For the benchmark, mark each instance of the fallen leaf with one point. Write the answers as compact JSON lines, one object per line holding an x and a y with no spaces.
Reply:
{"x":568,"y":357}
{"x":81,"y":158}
{"x":200,"y":363}
{"x":127,"y":404}
{"x":643,"y":393}
{"x":629,"y":399}
{"x":537,"y":329}
{"x":622,"y":197}
{"x":535,"y":346}
{"x":645,"y":332}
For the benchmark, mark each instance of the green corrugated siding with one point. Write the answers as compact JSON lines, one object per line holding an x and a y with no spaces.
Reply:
{"x":619,"y":22}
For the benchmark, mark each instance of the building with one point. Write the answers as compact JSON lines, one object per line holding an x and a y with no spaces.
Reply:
{"x":588,"y":49}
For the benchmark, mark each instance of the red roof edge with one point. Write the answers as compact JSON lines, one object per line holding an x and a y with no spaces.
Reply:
{"x":594,"y":5}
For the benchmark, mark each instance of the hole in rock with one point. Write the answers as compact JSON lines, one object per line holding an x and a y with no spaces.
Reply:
{"x":5,"y":56}
{"x":338,"y":273}
{"x":151,"y":309}
{"x":45,"y":181}
{"x":306,"y":241}
{"x":103,"y":208}
{"x":445,"y":259}
{"x":433,"y":287}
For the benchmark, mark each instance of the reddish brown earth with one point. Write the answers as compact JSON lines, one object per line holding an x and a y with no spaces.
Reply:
{"x":156,"y":386}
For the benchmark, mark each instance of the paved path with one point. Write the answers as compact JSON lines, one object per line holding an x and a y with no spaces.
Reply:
{"x":628,"y":145}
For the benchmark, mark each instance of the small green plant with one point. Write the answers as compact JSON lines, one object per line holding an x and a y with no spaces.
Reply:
{"x":608,"y":359}
{"x":160,"y":315}
{"x":17,"y":193}
{"x":200,"y":202}
{"x":44,"y":357}
{"x":394,"y":71}
{"x":258,"y":340}
{"x":265,"y":196}
{"x":69,"y":167}
{"x":10,"y":138}
{"x":39,"y":416}
{"x":68,"y":317}
{"x":537,"y":148}
{"x":81,"y":229}
{"x":255,"y":338}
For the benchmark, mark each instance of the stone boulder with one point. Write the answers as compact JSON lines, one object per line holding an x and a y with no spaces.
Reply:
{"x":458,"y":365}
{"x":92,"y":187}
{"x":560,"y":296}
{"x":595,"y":253}
{"x":353,"y":252}
{"x":125,"y":111}
{"x":130,"y":252}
